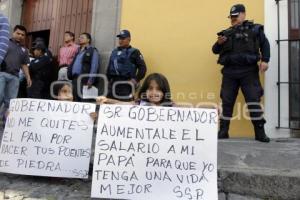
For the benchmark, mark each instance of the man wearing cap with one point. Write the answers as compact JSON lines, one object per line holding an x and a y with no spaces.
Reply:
{"x":39,"y":70}
{"x":51,"y":69}
{"x":243,"y":50}
{"x":40,"y":40}
{"x":125,"y":70}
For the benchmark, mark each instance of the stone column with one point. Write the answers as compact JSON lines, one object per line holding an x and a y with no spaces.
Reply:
{"x":105,"y":26}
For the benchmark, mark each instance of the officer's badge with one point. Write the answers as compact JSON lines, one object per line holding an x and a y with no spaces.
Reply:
{"x":88,"y":54}
{"x":233,"y":9}
{"x":119,"y":53}
{"x":141,"y":57}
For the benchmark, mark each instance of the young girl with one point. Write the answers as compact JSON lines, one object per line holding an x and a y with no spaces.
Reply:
{"x":155,"y":91}
{"x":62,"y":91}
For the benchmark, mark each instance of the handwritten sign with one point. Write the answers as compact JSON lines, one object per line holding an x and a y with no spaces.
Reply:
{"x":151,"y":153}
{"x":47,"y":138}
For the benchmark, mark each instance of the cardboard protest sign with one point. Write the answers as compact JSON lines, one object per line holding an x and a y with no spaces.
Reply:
{"x":151,"y":153}
{"x":47,"y":138}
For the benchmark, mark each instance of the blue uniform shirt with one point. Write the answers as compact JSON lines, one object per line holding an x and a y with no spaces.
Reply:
{"x":77,"y":66}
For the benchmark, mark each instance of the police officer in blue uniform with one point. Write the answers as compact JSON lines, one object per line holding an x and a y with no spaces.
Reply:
{"x":86,"y":62}
{"x":243,"y":50}
{"x":125,"y":70}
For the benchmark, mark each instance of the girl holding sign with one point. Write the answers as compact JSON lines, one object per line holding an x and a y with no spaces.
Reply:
{"x":155,"y":91}
{"x":62,"y":90}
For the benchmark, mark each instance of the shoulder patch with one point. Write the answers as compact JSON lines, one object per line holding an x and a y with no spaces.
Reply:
{"x":257,"y":28}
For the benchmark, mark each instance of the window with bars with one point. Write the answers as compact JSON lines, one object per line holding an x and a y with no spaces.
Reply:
{"x":294,"y":63}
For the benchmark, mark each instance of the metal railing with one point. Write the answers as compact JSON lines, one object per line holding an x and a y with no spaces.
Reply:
{"x":279,"y":82}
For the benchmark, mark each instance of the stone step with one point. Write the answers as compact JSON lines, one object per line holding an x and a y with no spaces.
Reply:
{"x":252,"y":170}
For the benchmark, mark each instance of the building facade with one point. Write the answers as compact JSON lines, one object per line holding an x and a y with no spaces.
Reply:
{"x":175,"y":38}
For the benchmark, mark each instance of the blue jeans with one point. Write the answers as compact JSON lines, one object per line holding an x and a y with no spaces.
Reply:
{"x":9,"y":86}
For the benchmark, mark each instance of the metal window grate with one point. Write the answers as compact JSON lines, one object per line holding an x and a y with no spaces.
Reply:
{"x":294,"y":24}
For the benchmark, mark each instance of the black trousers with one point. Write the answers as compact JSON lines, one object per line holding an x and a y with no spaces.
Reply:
{"x":251,"y":89}
{"x":77,"y":86}
{"x":22,"y":93}
{"x":121,"y":89}
{"x":36,"y":89}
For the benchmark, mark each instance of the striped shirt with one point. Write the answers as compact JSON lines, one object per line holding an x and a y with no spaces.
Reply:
{"x":4,"y":36}
{"x":67,"y":53}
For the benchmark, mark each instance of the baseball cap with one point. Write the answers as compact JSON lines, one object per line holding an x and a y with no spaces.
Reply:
{"x":39,"y":46}
{"x":124,"y":34}
{"x":237,"y":9}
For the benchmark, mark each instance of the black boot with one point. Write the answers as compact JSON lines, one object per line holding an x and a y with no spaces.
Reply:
{"x":224,"y":127}
{"x":260,"y":134}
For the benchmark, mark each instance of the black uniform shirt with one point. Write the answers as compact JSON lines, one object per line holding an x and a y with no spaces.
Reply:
{"x":264,"y":47}
{"x":39,"y":67}
{"x":263,"y":44}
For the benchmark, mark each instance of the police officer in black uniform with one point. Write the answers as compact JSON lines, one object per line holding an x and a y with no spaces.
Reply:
{"x":126,"y":68}
{"x":52,"y":71}
{"x":243,"y":50}
{"x":39,"y":69}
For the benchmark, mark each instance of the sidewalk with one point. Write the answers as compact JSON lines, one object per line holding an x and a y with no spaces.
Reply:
{"x":248,"y":170}
{"x":254,"y":170}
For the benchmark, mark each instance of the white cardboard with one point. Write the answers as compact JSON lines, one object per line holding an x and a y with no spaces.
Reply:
{"x":47,"y":138}
{"x":195,"y":135}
